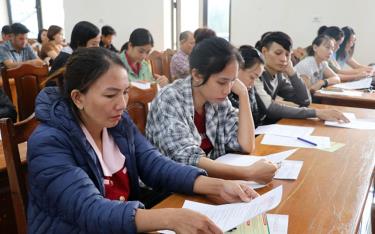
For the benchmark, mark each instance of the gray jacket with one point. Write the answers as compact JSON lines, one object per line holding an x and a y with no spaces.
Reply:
{"x":291,"y":89}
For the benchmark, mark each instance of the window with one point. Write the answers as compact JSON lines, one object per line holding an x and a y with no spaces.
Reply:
{"x":29,"y":13}
{"x":24,"y":12}
{"x":217,"y":17}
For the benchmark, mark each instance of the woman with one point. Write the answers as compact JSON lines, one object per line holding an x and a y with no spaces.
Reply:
{"x":85,"y":157}
{"x":84,"y":34}
{"x":138,"y":48}
{"x":281,"y":80}
{"x":344,"y":54}
{"x":314,"y":68}
{"x":55,"y":43}
{"x":42,"y":39}
{"x":250,"y":70}
{"x":345,"y":74}
{"x":193,"y":122}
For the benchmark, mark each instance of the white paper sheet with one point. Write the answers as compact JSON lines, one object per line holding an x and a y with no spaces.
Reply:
{"x":358,"y":84}
{"x":284,"y":130}
{"x":289,"y":170}
{"x":322,"y":142}
{"x":246,"y":160}
{"x":278,"y":224}
{"x":368,"y":124}
{"x":229,"y":216}
{"x":141,"y":85}
{"x":342,"y":93}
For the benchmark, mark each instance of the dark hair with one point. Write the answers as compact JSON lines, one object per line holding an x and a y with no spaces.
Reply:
{"x":341,"y":53}
{"x":82,"y":32}
{"x":18,"y":28}
{"x":108,"y":30}
{"x":6,"y":29}
{"x":211,"y":56}
{"x":124,"y":47}
{"x":280,"y":38}
{"x":203,"y":33}
{"x":184,"y":35}
{"x":141,"y":37}
{"x":333,"y":31}
{"x":317,"y":41}
{"x":39,"y":39}
{"x":52,"y":31}
{"x":84,"y":67}
{"x":251,"y":56}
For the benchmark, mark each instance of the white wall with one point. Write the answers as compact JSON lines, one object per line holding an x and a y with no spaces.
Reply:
{"x":123,"y":15}
{"x":250,"y":19}
{"x":3,"y":13}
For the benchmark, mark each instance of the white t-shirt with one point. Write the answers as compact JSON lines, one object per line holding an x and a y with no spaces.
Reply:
{"x":310,"y":68}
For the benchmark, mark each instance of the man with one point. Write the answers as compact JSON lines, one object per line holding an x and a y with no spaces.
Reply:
{"x":280,"y":80}
{"x":106,"y":40}
{"x":180,"y":61}
{"x":16,"y":51}
{"x":6,"y":33}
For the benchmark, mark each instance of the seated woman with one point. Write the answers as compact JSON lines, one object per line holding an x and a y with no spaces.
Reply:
{"x":281,"y":80}
{"x":345,"y":74}
{"x":137,"y":49}
{"x":250,"y":70}
{"x":42,"y":39}
{"x":84,"y":34}
{"x":193,"y":122}
{"x":55,"y":43}
{"x":314,"y":68}
{"x":86,"y":155}
{"x":344,"y":55}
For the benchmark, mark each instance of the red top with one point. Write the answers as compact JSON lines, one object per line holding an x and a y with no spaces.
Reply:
{"x":136,"y":67}
{"x":200,"y":123}
{"x":117,"y":186}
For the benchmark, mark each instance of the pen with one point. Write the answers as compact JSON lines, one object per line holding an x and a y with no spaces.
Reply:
{"x":307,"y":141}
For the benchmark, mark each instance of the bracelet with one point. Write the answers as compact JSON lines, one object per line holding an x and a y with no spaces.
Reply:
{"x":325,"y":83}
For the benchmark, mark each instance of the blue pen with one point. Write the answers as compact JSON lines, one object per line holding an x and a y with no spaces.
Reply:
{"x":307,"y":141}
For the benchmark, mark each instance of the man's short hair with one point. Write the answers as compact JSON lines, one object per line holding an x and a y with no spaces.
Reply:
{"x":18,"y":28}
{"x":6,"y":30}
{"x":108,"y":30}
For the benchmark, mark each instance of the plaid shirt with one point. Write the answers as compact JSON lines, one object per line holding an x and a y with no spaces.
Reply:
{"x":171,"y":128}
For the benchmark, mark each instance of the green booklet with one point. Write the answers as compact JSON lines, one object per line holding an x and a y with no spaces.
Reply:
{"x":257,"y":225}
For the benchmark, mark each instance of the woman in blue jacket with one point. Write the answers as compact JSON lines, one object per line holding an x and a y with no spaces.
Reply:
{"x":85,"y":157}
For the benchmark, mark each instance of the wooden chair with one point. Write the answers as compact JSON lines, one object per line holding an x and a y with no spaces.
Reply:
{"x":138,"y":104}
{"x":27,"y":79}
{"x":156,"y":60}
{"x":12,"y":135}
{"x":167,"y":57}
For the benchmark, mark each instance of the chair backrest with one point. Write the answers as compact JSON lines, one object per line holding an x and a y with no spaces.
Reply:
{"x":156,"y":60}
{"x":12,"y":135}
{"x":167,"y":57}
{"x":27,"y":79}
{"x":138,"y":104}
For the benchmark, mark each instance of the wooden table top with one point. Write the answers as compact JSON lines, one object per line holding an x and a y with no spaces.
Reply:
{"x":331,"y":189}
{"x":366,"y":100}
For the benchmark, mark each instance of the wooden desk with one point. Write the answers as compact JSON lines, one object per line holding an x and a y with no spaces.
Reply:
{"x":366,"y":100}
{"x":331,"y":190}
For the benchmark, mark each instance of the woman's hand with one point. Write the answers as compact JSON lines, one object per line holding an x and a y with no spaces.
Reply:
{"x":239,"y":88}
{"x":262,"y":171}
{"x":233,"y":191}
{"x":162,"y":80}
{"x":188,"y":221}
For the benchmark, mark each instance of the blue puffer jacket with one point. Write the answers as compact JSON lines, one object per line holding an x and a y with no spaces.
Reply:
{"x":65,"y":178}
